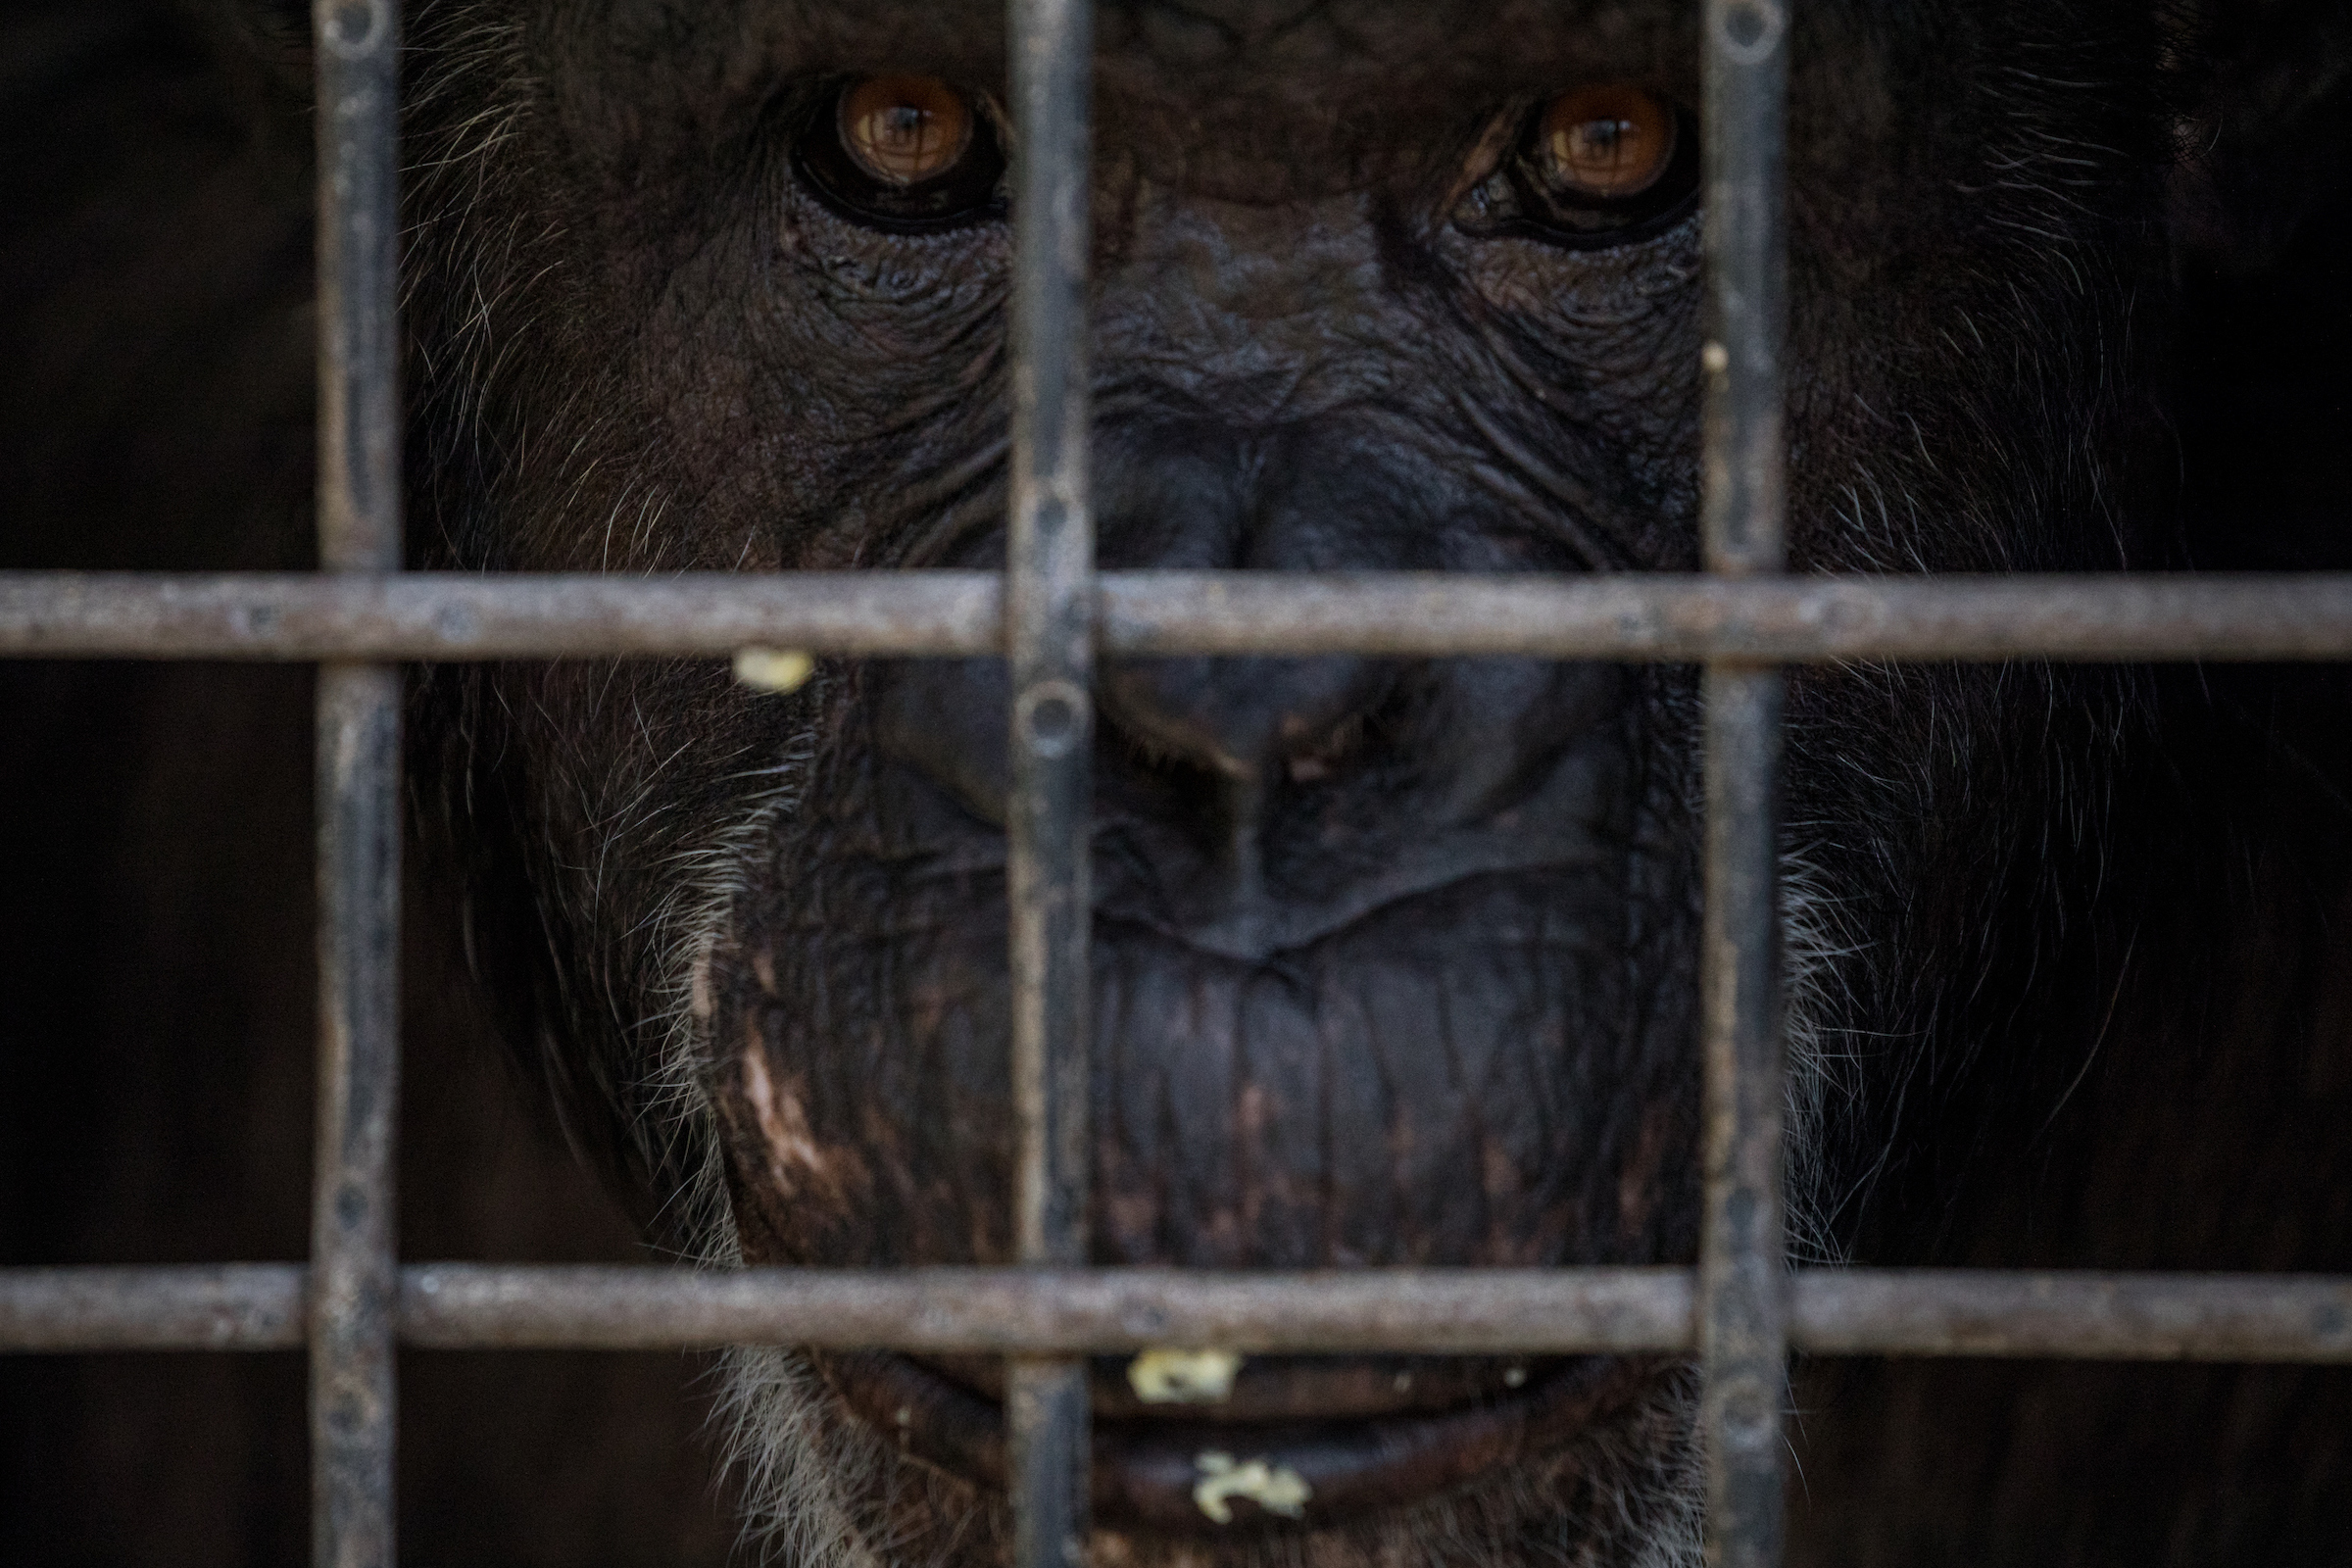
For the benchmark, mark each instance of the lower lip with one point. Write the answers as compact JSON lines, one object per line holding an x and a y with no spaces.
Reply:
{"x":1146,"y":1473}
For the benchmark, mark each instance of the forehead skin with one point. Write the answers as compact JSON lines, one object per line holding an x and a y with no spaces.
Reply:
{"x":1274,"y":101}
{"x":1242,"y":100}
{"x":1349,"y":48}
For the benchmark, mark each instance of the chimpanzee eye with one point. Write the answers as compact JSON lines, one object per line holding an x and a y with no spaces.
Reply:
{"x":903,"y":130}
{"x":1604,"y":144}
{"x":1593,"y":167}
{"x":904,"y":153}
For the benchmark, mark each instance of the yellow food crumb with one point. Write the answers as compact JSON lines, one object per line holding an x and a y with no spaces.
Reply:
{"x":782,"y":671}
{"x":1277,"y":1489}
{"x":1183,"y":1377}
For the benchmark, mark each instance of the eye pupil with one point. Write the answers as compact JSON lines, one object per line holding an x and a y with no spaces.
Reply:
{"x":900,"y":135}
{"x":1600,"y":143}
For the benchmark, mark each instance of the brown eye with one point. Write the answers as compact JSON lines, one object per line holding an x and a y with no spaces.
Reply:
{"x":902,"y":153}
{"x":1605,"y":143}
{"x":1587,"y":169}
{"x":903,"y":130}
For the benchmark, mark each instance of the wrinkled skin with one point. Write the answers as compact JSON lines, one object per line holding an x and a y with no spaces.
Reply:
{"x":1394,"y":960}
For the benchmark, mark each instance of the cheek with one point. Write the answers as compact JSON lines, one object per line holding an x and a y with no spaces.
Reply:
{"x":1562,"y":295}
{"x":1613,"y":338}
{"x":860,"y":296}
{"x":871,"y":373}
{"x":797,"y":1166}
{"x":794,"y":1196}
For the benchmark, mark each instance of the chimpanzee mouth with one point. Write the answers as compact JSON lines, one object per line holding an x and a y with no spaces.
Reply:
{"x":1304,"y":1441}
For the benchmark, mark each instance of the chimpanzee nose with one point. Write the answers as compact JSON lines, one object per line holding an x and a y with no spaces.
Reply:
{"x":1185,"y":496}
{"x":1315,"y":496}
{"x":1241,"y":718}
{"x":1249,"y":804}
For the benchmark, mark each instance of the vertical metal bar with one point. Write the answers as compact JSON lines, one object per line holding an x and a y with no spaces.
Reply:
{"x":354,"y":1279}
{"x":358,"y":214}
{"x":1743,"y":1329}
{"x":354,"y":1285}
{"x":1050,"y":635}
{"x":1742,"y":1332}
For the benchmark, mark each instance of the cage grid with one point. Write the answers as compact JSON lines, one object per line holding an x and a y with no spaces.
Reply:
{"x":1742,"y":1310}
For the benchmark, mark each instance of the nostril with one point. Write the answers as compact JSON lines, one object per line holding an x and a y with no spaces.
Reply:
{"x":1314,"y":758}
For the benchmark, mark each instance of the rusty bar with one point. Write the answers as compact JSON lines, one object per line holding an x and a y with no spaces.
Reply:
{"x":2129,"y":1317}
{"x":351,"y":1395}
{"x":428,"y":616}
{"x":1681,"y":618}
{"x":199,"y":1306}
{"x":1049,"y":630}
{"x":1744,"y":457}
{"x":1899,"y":1312}
{"x":358,"y":770}
{"x":358,"y":48}
{"x":1049,"y":641}
{"x":1742,"y":1325}
{"x":1012,"y":1311}
{"x":1741,"y":1271}
{"x":1668,"y":617}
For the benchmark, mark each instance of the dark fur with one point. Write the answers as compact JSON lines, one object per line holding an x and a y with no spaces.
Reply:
{"x":2073,"y":990}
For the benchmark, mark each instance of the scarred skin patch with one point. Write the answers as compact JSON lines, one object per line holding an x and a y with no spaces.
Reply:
{"x":796,"y":1163}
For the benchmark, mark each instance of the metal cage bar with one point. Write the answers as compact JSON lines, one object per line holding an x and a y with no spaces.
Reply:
{"x":1741,"y":1307}
{"x":1659,"y":616}
{"x":357,"y":766}
{"x":1839,"y":1312}
{"x":1049,"y":641}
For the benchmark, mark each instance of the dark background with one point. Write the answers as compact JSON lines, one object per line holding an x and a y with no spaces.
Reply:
{"x":157,"y":984}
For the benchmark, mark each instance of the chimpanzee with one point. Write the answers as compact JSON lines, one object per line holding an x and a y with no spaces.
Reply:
{"x":1393,"y":958}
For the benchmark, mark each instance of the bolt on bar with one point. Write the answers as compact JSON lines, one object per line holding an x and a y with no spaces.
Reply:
{"x":1049,"y":626}
{"x":354,"y":1274}
{"x":1743,"y":1284}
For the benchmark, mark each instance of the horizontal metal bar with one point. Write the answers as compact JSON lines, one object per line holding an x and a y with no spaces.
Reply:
{"x":1057,"y":1311}
{"x":2128,"y":1317}
{"x":1924,"y":1312}
{"x":420,"y":616}
{"x":188,"y":1307}
{"x":1636,"y":618}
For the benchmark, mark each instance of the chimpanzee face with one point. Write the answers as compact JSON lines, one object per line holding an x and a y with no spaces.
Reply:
{"x":1392,"y":958}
